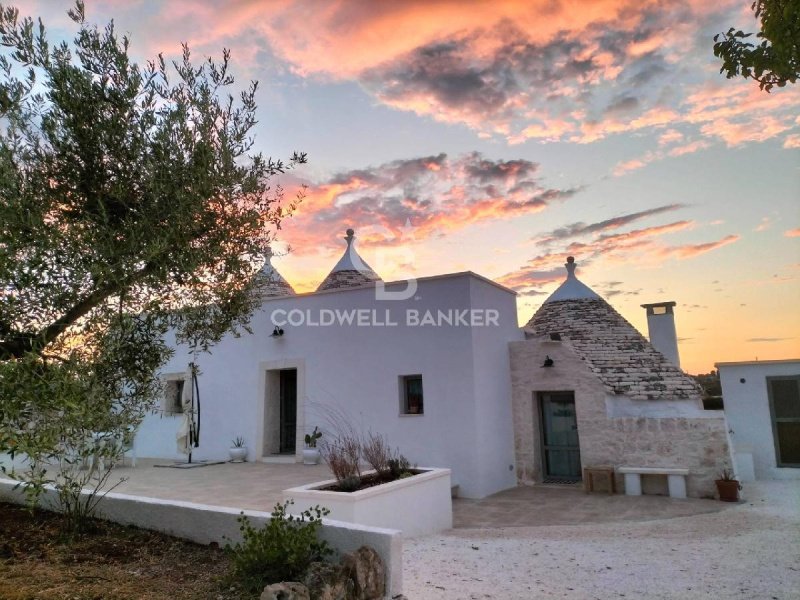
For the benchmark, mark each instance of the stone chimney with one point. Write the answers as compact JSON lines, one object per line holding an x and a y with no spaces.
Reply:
{"x":661,"y":330}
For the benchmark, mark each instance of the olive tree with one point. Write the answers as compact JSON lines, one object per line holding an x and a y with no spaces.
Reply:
{"x":132,"y":202}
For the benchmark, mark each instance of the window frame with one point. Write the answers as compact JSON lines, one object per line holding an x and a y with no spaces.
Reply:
{"x":405,"y":406}
{"x":774,"y":420}
{"x":172,"y":404}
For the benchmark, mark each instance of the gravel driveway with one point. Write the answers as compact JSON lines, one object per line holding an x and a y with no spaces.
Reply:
{"x":749,"y":551}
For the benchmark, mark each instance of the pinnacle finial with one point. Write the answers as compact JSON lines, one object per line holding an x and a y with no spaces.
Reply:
{"x":570,"y":265}
{"x":350,"y":236}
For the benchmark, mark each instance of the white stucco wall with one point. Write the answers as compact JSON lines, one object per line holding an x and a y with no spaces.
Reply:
{"x":747,"y":410}
{"x":354,"y":370}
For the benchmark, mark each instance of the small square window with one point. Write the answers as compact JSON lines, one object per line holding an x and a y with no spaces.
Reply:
{"x":411,"y":398}
{"x":173,"y":397}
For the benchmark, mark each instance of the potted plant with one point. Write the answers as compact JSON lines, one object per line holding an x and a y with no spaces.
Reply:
{"x":311,"y":453}
{"x":238,"y":451}
{"x":728,"y":486}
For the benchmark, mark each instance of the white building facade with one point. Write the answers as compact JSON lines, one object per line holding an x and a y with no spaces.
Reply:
{"x":440,"y":367}
{"x":762,"y":404}
{"x":345,"y":355}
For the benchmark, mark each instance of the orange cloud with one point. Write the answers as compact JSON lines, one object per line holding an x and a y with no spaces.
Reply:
{"x":792,"y":141}
{"x":514,"y":69}
{"x":692,"y":250}
{"x":792,"y":232}
{"x":429,"y":195}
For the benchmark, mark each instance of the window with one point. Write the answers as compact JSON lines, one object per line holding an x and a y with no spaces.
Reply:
{"x":411,"y":395}
{"x":173,"y":397}
{"x":784,"y":404}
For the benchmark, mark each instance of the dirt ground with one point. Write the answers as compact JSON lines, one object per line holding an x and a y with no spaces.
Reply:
{"x":110,"y":563}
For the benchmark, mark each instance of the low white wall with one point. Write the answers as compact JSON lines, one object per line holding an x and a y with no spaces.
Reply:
{"x":204,"y":524}
{"x":417,"y":505}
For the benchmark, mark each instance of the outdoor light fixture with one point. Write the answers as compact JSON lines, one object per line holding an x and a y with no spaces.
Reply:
{"x":555,"y":337}
{"x":548,"y":362}
{"x":277,"y":332}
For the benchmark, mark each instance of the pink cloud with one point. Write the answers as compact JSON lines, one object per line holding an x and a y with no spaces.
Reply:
{"x":692,"y":250}
{"x":792,"y":141}
{"x":792,"y":232}
{"x":432,"y":195}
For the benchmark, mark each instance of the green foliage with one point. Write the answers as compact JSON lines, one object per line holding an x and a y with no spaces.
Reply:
{"x":399,"y":467}
{"x":775,"y":60}
{"x":124,"y":189}
{"x":311,"y":438}
{"x":710,"y":383}
{"x":75,"y":416}
{"x":282,"y":550}
{"x":130,"y":204}
{"x":238,"y":442}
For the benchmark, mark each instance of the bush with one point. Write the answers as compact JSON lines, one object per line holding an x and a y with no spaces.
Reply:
{"x":280,"y":551}
{"x":343,"y":455}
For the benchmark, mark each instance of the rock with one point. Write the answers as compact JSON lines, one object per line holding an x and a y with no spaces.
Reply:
{"x":328,"y":582}
{"x":286,"y":590}
{"x":365,"y":568}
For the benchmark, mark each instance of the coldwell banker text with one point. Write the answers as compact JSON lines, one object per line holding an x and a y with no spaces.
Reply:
{"x":370,"y":317}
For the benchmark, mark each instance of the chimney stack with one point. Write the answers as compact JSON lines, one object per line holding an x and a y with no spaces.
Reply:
{"x":661,"y":330}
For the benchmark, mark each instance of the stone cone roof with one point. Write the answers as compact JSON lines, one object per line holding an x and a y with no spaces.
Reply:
{"x":350,"y":271}
{"x":621,"y":357}
{"x":270,"y":282}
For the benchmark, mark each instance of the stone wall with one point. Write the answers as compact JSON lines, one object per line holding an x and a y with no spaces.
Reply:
{"x":697,"y":441}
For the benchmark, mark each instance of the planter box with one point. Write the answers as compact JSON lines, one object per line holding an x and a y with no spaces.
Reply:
{"x":415,"y":505}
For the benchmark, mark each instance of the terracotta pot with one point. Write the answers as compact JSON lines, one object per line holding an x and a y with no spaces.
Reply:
{"x":728,"y":490}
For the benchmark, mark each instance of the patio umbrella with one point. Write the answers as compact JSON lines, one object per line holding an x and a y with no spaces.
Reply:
{"x":188,"y":435}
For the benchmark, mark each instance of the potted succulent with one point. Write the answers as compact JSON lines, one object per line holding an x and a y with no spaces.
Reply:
{"x":728,"y":486}
{"x":311,"y":453}
{"x":238,"y":451}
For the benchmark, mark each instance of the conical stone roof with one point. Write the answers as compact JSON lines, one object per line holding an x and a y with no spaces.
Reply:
{"x":270,"y":282}
{"x":350,"y":271}
{"x":613,"y":349}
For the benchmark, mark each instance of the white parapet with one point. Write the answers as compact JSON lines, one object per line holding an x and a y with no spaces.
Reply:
{"x":204,"y":524}
{"x":417,"y":505}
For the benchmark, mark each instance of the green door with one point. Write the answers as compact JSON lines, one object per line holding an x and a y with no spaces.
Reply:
{"x":562,"y":457}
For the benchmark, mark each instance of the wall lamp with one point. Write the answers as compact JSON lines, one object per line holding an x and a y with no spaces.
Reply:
{"x":277,"y":332}
{"x":548,"y":362}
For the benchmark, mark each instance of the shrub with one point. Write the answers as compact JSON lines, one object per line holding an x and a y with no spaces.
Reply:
{"x":343,"y":455}
{"x":377,"y":453}
{"x":399,"y":467}
{"x":280,"y":551}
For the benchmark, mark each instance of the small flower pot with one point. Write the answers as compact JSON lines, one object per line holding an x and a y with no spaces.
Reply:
{"x":238,"y":454}
{"x":311,"y":456}
{"x":728,"y":490}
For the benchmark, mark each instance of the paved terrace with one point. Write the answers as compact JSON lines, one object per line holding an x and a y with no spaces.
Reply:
{"x":259,"y":486}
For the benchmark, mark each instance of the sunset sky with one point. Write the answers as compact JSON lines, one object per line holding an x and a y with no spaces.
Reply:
{"x":502,"y":137}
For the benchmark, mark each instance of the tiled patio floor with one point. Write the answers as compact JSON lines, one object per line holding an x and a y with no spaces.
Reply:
{"x":252,"y":485}
{"x":531,"y":506}
{"x":259,"y":486}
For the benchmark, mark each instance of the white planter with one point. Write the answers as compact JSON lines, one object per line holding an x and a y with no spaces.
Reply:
{"x":417,"y":505}
{"x":311,"y":456}
{"x":238,"y":455}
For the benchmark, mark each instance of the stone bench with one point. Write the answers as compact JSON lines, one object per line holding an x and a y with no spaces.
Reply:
{"x":676,"y":480}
